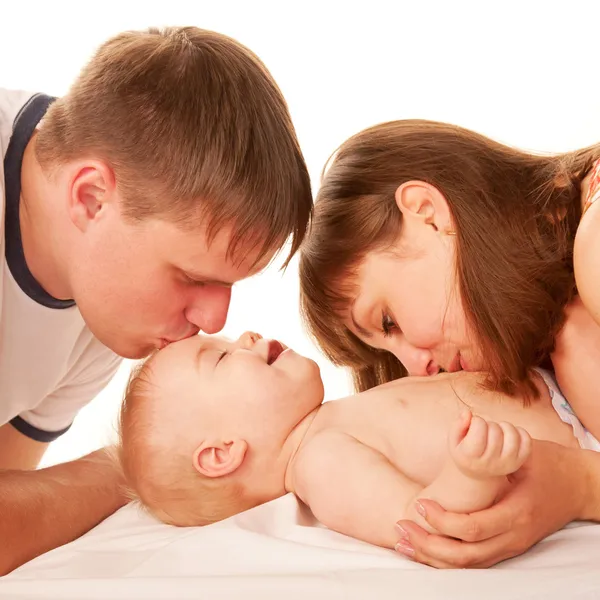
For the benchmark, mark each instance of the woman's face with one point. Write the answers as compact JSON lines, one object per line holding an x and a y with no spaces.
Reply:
{"x":408,"y":300}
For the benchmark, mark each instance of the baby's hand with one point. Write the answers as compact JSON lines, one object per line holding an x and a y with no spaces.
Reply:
{"x":487,"y":449}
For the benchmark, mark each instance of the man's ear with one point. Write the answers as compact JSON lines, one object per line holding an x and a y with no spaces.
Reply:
{"x":92,"y":187}
{"x":218,"y":458}
{"x":422,"y":202}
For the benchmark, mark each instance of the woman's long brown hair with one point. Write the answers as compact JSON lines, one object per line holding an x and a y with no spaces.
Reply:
{"x":515,"y":215}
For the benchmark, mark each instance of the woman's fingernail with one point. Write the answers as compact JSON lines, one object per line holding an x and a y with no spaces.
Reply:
{"x":421,"y":509}
{"x":405,"y":548}
{"x":403,"y":533}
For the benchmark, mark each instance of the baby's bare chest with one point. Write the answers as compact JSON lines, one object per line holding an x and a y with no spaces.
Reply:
{"x":411,"y":434}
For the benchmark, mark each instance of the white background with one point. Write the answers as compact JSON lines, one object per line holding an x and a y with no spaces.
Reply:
{"x":523,"y":72}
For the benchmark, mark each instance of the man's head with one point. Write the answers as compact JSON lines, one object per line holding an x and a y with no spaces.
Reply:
{"x":207,"y":423}
{"x":176,"y":165}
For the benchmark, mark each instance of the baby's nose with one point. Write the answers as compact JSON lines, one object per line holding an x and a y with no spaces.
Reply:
{"x":248,"y":339}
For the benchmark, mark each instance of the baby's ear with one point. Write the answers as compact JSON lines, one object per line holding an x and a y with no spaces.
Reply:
{"x":216,"y":459}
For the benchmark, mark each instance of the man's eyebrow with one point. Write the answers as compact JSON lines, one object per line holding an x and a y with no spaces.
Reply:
{"x":361,"y":330}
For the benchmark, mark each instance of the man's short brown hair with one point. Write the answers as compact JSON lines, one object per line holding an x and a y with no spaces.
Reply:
{"x":195,"y":128}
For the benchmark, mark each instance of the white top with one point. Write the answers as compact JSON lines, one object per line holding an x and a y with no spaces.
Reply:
{"x":567,"y":415}
{"x":50,"y":363}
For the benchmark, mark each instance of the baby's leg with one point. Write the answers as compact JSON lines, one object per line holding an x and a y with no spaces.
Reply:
{"x":481,"y":455}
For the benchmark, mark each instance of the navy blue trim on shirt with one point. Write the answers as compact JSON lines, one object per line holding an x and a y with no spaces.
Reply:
{"x":24,"y":126}
{"x":39,"y":435}
{"x":25,"y":123}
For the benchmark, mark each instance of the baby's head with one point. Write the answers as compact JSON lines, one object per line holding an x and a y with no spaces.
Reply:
{"x":208,"y":426}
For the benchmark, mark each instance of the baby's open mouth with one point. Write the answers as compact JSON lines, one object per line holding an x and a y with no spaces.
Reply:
{"x":275,"y":349}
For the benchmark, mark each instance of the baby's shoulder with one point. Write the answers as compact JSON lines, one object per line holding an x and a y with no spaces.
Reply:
{"x":316,"y":460}
{"x":324,"y":451}
{"x":324,"y":445}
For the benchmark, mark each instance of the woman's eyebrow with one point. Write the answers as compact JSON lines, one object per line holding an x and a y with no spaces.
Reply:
{"x":361,"y":330}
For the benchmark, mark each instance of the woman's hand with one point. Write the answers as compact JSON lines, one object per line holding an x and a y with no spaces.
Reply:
{"x":555,"y":486}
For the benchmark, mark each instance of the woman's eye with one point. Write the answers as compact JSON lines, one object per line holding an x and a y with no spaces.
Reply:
{"x":387,"y":324}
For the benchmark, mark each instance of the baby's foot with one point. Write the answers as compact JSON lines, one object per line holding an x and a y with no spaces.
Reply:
{"x":483,"y":448}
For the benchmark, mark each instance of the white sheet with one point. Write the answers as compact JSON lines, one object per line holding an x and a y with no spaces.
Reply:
{"x":278,"y":551}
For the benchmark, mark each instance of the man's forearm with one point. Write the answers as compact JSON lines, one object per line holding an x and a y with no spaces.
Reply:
{"x":41,"y":510}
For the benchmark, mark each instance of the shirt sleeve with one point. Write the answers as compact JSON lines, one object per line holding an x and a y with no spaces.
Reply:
{"x":54,"y":415}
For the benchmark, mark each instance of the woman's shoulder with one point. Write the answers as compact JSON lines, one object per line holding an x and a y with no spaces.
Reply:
{"x":590,"y":187}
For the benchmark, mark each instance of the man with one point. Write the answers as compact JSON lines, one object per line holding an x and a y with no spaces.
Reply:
{"x":169,"y":171}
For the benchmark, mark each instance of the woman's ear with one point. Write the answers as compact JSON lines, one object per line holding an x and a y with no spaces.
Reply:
{"x":218,"y":458}
{"x":423,"y":203}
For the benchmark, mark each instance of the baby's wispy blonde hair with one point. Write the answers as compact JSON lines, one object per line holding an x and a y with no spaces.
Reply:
{"x":157,"y":464}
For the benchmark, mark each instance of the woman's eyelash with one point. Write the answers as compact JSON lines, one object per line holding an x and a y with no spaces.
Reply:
{"x":387,"y":324}
{"x":221,"y":356}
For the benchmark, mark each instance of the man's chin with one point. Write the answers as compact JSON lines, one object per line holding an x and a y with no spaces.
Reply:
{"x":131,"y":351}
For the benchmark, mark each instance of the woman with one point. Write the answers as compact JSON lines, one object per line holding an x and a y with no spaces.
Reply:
{"x":434,"y":248}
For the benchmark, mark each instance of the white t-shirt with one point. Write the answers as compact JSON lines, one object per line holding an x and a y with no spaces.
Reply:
{"x":50,"y":363}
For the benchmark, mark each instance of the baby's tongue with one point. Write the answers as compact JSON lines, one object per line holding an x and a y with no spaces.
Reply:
{"x":275,"y":349}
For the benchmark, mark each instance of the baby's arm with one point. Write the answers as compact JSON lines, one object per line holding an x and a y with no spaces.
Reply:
{"x":355,"y":490}
{"x":352,"y":488}
{"x":481,"y":455}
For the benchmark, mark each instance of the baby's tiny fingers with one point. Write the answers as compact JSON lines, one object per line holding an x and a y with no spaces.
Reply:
{"x":526,"y":444}
{"x":460,"y":428}
{"x":474,"y":443}
{"x":495,"y":440}
{"x":512,"y":441}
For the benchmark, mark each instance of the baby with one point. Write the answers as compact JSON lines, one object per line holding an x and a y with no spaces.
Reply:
{"x":210,"y":428}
